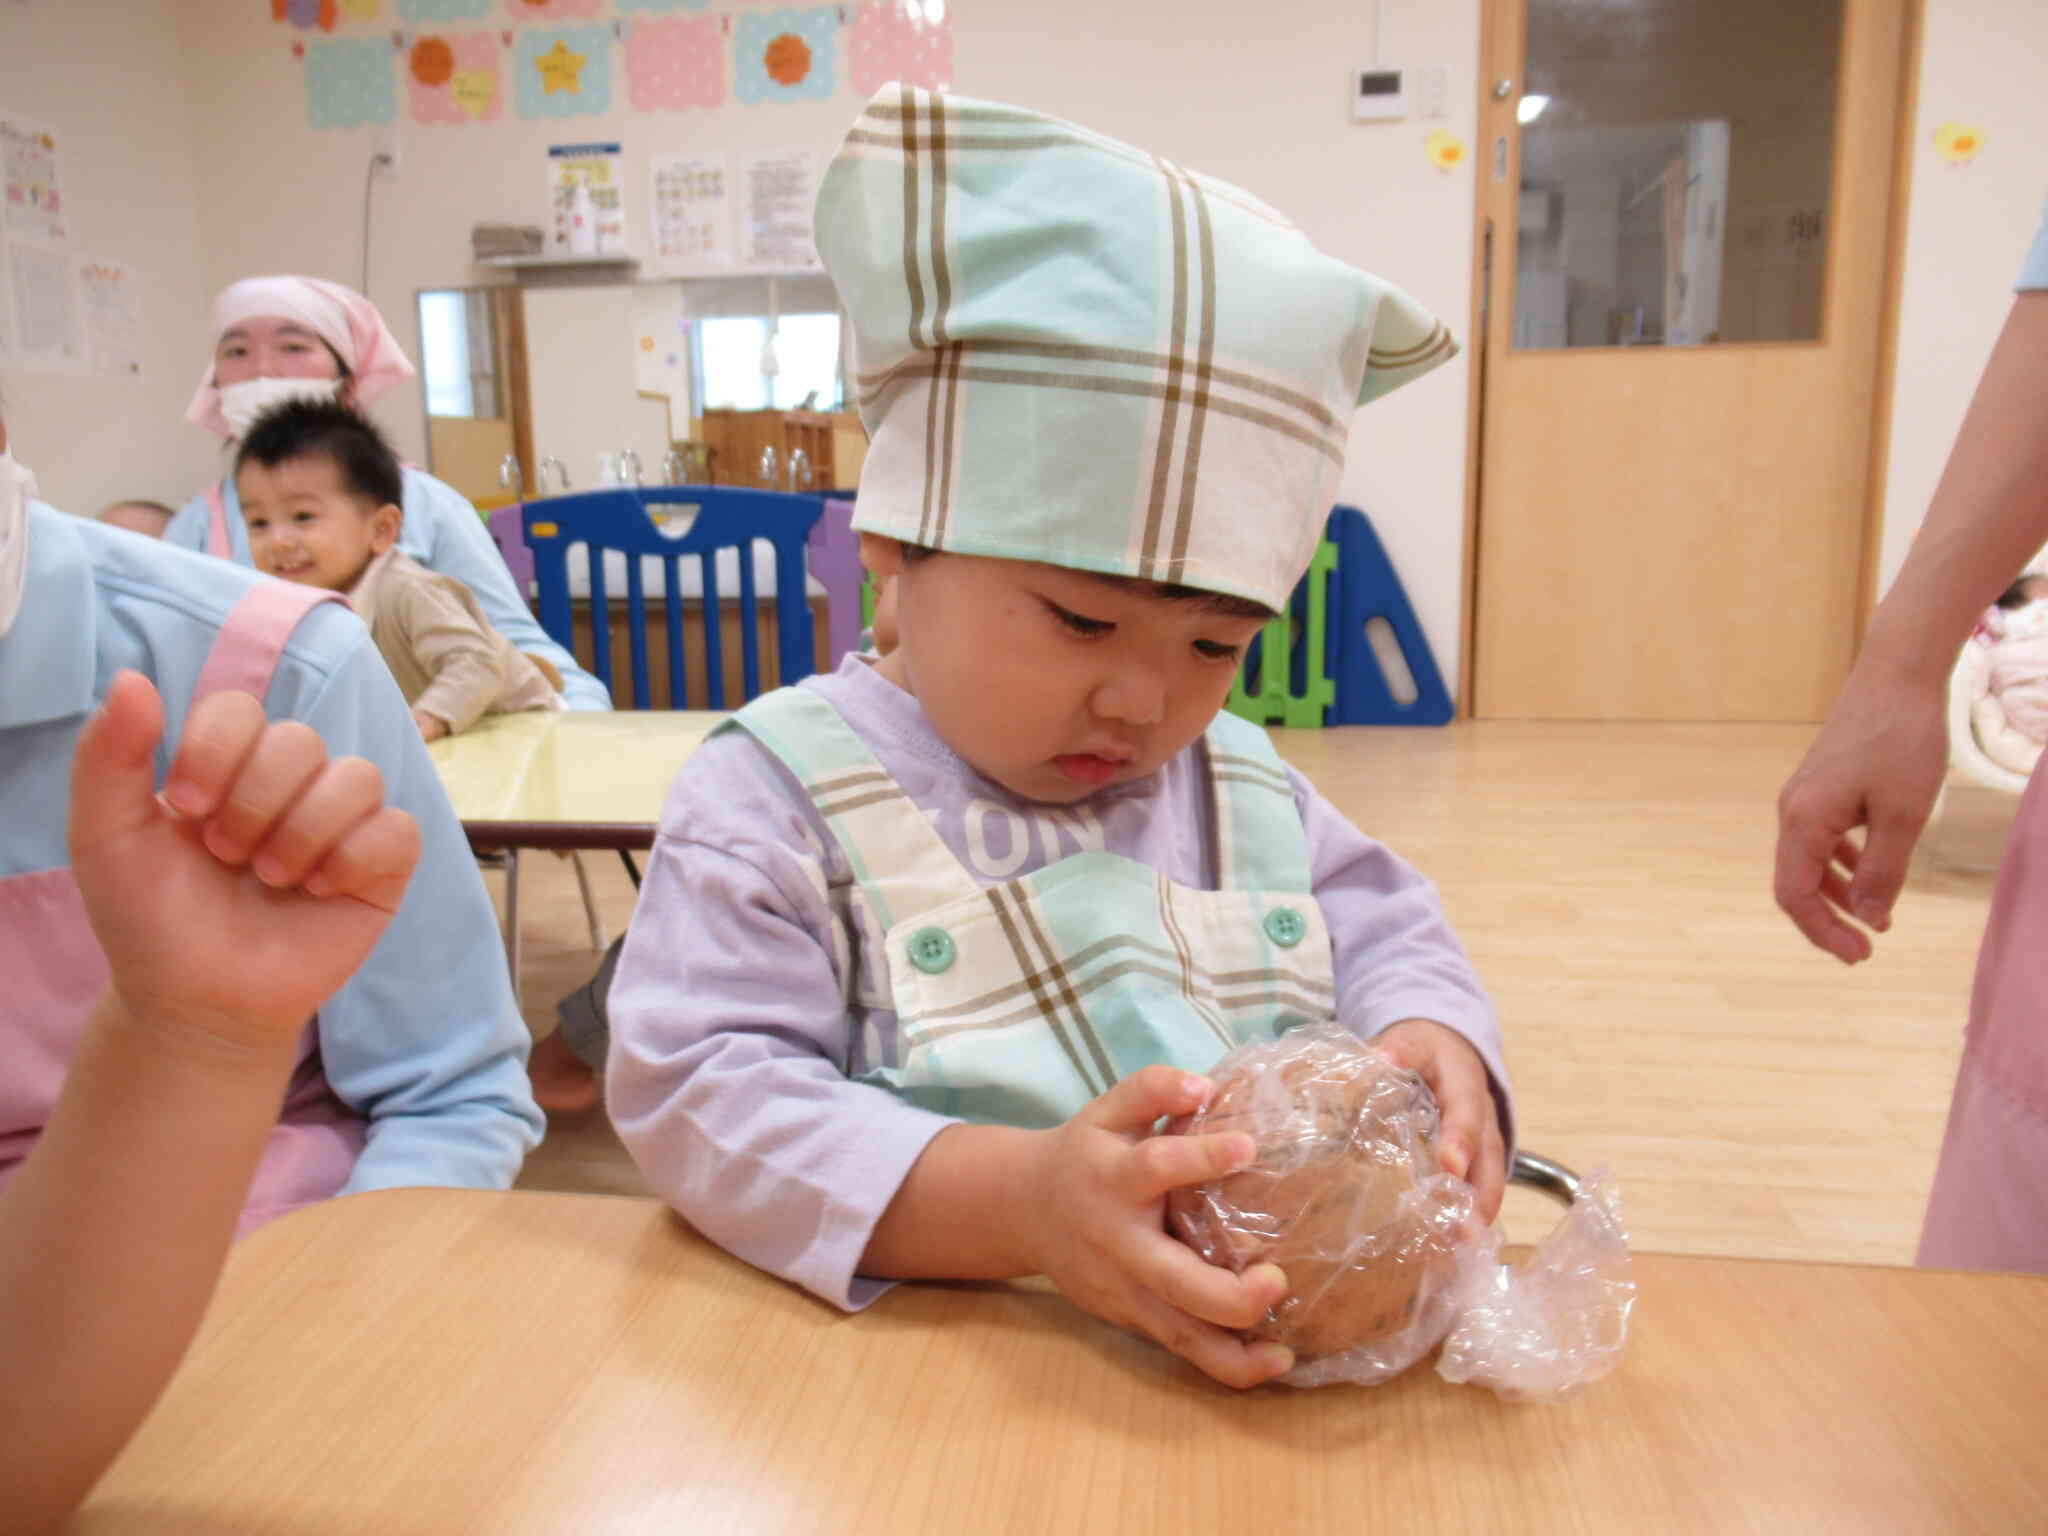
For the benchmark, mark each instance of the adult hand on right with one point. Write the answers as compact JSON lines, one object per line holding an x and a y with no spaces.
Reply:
{"x":1877,"y":764}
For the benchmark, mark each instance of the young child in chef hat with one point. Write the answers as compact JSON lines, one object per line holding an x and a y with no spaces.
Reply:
{"x":927,"y":946}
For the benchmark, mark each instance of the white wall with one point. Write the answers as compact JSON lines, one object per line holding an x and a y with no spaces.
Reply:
{"x":584,"y":384}
{"x":224,"y":178}
{"x":1264,"y":106}
{"x":279,"y":197}
{"x":1984,"y":63}
{"x":104,"y":77}
{"x":1260,"y":99}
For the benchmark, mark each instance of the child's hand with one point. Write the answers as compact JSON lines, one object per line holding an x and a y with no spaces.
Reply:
{"x":1468,"y":1138}
{"x":1098,"y":1206}
{"x":432,"y":727}
{"x":247,"y":908}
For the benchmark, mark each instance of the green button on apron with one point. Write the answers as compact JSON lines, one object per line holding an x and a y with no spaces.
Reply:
{"x":1285,"y":927}
{"x":1024,"y":999}
{"x":931,"y":950}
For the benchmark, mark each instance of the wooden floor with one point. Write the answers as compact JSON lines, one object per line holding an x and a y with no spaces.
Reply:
{"x":1752,"y":1095}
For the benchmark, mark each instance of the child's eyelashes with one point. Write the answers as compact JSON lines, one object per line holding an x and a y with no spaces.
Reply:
{"x":1077,"y":623}
{"x":1216,"y":650}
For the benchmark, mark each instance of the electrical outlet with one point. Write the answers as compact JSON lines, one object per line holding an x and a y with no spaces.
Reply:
{"x":386,"y":156}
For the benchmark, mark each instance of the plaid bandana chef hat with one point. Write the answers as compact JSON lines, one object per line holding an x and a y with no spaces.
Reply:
{"x":1073,"y":351}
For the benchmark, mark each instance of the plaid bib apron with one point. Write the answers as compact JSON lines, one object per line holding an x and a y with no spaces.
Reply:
{"x":1019,"y":1002}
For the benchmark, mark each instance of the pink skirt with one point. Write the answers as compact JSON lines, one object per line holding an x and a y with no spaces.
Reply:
{"x":1989,"y":1207}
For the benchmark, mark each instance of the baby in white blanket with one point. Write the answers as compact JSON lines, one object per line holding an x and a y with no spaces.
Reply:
{"x":2011,"y":716}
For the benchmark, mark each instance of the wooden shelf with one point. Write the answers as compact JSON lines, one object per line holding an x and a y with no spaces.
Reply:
{"x":543,"y":261}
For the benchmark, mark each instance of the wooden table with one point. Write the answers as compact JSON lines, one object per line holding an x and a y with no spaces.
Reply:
{"x":435,"y":1361}
{"x":567,"y":778}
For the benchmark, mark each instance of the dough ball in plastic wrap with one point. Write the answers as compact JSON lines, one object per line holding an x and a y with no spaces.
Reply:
{"x":1345,"y":1194}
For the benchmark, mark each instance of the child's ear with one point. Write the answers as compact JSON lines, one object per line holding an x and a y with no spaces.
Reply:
{"x":882,"y":555}
{"x":384,"y":525}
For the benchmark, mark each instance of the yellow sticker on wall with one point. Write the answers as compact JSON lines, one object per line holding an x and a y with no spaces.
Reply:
{"x":1446,"y":151}
{"x":474,"y":90}
{"x":1958,"y":143}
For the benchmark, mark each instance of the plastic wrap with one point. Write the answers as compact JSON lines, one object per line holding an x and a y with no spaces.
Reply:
{"x":1383,"y":1257}
{"x":1540,"y":1330}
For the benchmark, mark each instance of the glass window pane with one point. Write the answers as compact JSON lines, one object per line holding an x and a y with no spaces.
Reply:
{"x":1676,"y":162}
{"x":807,"y":348}
{"x":444,"y":353}
{"x":729,"y":351}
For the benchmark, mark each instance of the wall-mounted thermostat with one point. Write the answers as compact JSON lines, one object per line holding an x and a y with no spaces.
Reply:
{"x":1377,"y":95}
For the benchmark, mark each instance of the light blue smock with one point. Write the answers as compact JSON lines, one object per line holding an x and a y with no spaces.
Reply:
{"x":2034,"y":274}
{"x":442,"y":531}
{"x":425,"y":1041}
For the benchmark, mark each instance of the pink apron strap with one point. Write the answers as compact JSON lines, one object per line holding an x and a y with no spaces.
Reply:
{"x":245,"y":653}
{"x":217,"y":540}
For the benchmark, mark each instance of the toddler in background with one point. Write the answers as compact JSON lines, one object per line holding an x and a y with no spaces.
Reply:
{"x":926,"y":948}
{"x":2011,"y":716}
{"x":322,"y":493}
{"x":148,"y":518}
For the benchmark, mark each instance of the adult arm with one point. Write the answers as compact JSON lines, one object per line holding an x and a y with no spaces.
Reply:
{"x":458,"y":544}
{"x":1879,"y":760}
{"x":425,"y":1039}
{"x":192,"y":525}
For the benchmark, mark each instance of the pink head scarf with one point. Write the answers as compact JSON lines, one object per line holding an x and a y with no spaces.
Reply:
{"x":339,"y":316}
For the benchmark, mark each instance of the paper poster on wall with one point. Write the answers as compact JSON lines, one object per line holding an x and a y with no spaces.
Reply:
{"x":110,"y":305}
{"x":906,"y":40}
{"x":45,"y":318}
{"x":35,"y":196}
{"x":692,"y":212}
{"x":586,"y":200}
{"x":777,"y":190}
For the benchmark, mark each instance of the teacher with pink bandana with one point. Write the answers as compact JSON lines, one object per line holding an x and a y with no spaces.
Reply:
{"x":302,"y":338}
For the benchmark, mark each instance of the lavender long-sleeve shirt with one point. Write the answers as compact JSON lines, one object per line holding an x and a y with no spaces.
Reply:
{"x":754,"y":980}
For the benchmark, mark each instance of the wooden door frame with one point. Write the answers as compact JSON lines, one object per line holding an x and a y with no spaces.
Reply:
{"x":1882,"y":394}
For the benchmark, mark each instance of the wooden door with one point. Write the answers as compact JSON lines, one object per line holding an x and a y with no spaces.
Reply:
{"x":1685,"y":314}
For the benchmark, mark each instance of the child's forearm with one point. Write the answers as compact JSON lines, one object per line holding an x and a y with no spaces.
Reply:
{"x":111,"y":1239}
{"x":966,"y":1211}
{"x":465,"y":682}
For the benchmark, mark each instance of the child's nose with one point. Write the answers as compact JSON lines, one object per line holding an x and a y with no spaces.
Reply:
{"x":1133,"y":693}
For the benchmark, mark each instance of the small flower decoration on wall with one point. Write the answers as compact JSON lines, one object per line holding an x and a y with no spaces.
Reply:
{"x":1446,"y":151}
{"x":786,"y":55}
{"x":304,"y":13}
{"x":1958,"y":143}
{"x":787,"y":59}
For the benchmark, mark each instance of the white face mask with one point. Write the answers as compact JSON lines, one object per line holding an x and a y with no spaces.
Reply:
{"x":242,"y":403}
{"x":17,"y":487}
